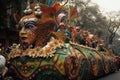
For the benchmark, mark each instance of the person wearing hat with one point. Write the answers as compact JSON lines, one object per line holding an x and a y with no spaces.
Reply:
{"x":62,"y":29}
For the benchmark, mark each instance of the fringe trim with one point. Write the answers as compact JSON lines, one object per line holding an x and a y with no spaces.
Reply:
{"x":45,"y":52}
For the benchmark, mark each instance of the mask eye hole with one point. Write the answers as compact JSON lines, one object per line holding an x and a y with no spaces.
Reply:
{"x":29,"y":26}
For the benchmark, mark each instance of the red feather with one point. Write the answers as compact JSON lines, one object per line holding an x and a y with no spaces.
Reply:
{"x":73,"y":13}
{"x":57,"y":6}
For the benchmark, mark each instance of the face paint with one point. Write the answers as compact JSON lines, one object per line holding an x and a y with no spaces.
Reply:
{"x":27,"y":32}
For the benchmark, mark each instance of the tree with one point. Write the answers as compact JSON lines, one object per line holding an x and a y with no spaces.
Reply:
{"x":113,"y":25}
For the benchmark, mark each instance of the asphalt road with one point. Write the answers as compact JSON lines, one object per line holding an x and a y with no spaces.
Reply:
{"x":113,"y":76}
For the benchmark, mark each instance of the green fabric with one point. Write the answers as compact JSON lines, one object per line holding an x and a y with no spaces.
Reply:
{"x":54,"y":67}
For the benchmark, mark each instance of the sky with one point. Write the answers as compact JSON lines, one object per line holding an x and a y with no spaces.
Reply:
{"x":108,"y":5}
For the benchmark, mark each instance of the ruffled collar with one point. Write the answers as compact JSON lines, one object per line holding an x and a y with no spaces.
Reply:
{"x":46,"y":51}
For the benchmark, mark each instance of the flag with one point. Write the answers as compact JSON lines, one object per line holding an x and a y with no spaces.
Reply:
{"x":73,"y":13}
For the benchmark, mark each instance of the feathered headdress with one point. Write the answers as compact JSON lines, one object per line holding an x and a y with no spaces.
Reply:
{"x":47,"y":10}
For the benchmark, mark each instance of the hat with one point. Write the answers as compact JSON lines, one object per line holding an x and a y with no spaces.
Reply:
{"x":61,"y":24}
{"x":77,"y":27}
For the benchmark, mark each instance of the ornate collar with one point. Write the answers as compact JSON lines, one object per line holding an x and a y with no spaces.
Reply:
{"x":46,"y":51}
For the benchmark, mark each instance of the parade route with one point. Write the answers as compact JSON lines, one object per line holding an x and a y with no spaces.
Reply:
{"x":113,"y":76}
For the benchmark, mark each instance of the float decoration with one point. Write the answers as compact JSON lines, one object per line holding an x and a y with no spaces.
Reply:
{"x":43,"y":53}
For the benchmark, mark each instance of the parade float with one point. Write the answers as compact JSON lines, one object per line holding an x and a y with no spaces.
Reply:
{"x":43,"y":53}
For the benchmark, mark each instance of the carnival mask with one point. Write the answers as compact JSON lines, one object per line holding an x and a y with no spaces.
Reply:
{"x":27,"y":28}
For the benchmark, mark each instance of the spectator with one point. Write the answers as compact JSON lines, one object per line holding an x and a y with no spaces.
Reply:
{"x":73,"y":33}
{"x":82,"y":39}
{"x":94,"y":42}
{"x":77,"y":34}
{"x":3,"y":68}
{"x":101,"y":45}
{"x":62,"y":29}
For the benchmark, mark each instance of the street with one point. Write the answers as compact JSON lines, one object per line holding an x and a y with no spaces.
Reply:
{"x":113,"y":76}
